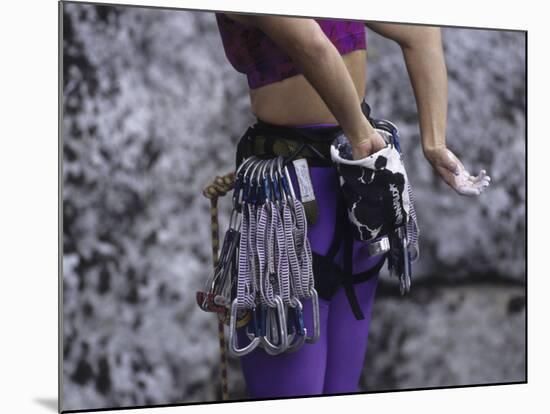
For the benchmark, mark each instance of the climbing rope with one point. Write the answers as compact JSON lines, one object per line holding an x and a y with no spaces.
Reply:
{"x":220,"y":187}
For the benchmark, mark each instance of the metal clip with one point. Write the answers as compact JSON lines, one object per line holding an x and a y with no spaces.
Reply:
{"x":275,"y":328}
{"x":379,"y":246}
{"x":234,"y":349}
{"x":296,"y":320}
{"x":399,"y":260}
{"x":316,"y":317}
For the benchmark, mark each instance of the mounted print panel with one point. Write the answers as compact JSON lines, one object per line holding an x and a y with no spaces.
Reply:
{"x":154,"y":105}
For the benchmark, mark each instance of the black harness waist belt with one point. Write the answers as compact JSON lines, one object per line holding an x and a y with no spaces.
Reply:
{"x":266,"y":140}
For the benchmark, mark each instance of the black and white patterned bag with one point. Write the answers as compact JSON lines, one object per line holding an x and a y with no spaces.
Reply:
{"x":375,"y":188}
{"x":379,"y":200}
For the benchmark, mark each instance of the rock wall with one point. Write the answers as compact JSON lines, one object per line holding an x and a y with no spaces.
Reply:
{"x":152,"y":111}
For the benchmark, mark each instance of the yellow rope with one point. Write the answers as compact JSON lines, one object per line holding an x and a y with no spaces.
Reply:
{"x":219,"y":187}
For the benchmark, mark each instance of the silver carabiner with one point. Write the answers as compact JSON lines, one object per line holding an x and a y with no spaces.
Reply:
{"x":288,"y":195}
{"x":405,"y":278}
{"x":316,"y":317}
{"x":263,"y":177}
{"x":293,"y":346}
{"x":258,"y":164}
{"x":234,"y":349}
{"x":289,"y":181}
{"x":281,"y":333}
{"x":251,"y":162}
{"x":239,"y":180}
{"x":244,"y":164}
{"x":272,"y":178}
{"x":235,"y":220}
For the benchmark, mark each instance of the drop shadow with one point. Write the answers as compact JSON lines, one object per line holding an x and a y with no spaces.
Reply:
{"x":50,"y":403}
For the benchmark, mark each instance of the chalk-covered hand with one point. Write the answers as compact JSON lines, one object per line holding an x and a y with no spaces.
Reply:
{"x":453,"y":172}
{"x":369,"y":146}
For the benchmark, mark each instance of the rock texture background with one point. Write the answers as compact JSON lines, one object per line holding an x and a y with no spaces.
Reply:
{"x":152,"y":111}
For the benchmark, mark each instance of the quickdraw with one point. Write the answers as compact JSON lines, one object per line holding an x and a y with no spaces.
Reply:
{"x":265,"y":265}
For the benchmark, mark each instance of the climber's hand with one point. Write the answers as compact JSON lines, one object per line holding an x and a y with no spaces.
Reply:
{"x":452,"y":171}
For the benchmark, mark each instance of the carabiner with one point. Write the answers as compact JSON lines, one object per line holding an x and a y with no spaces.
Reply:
{"x":390,"y":128}
{"x":274,"y":182}
{"x":405,"y":278}
{"x":289,"y":195}
{"x":316,"y":317}
{"x":289,"y":182}
{"x":258,"y":315}
{"x":239,"y":181}
{"x":296,"y":317}
{"x":234,"y":349}
{"x":249,"y":162}
{"x":234,"y":220}
{"x":253,"y":182}
{"x":265,"y":182}
{"x":282,"y":337}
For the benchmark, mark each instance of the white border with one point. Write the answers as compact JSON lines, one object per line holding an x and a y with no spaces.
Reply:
{"x":459,"y":13}
{"x":28,"y":230}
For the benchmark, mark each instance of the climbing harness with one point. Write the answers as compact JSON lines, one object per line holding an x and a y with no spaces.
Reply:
{"x":264,"y":271}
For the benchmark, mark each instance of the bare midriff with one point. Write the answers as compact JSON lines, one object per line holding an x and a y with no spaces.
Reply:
{"x":293,"y":101}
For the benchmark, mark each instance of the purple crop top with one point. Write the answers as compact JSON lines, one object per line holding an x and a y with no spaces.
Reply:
{"x":253,"y":53}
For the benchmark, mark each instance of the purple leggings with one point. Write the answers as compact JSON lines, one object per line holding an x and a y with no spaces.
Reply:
{"x":331,"y":365}
{"x":334,"y":363}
